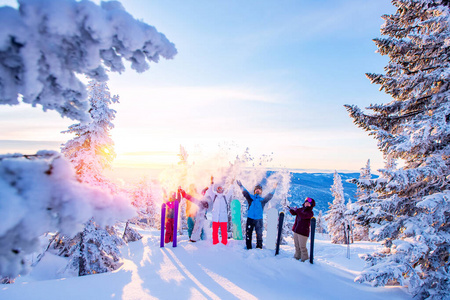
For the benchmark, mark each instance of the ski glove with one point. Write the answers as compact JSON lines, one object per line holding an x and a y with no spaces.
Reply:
{"x":238,"y":182}
{"x":183,"y":193}
{"x":205,"y":204}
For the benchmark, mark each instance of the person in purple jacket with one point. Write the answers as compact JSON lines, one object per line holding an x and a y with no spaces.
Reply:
{"x":301,"y":226}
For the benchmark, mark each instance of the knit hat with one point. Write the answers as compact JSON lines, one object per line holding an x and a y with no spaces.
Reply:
{"x":257,"y":187}
{"x":310,"y":200}
{"x":217,"y":186}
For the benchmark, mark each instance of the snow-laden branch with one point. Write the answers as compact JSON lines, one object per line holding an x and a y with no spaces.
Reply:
{"x":44,"y":44}
{"x":40,"y":195}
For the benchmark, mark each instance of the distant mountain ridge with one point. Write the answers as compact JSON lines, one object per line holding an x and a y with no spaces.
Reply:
{"x":317,"y":186}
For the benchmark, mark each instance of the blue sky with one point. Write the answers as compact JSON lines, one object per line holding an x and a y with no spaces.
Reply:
{"x":269,"y":75}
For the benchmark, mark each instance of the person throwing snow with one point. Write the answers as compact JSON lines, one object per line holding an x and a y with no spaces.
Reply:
{"x":200,"y":217}
{"x":256,"y":205}
{"x":301,"y":227}
{"x":220,"y":205}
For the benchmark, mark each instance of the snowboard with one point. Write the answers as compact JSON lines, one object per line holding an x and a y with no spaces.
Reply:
{"x":311,"y":243}
{"x":163,"y":223}
{"x":175,"y":222}
{"x":280,"y":232}
{"x":271,"y":235}
{"x":236,"y":219}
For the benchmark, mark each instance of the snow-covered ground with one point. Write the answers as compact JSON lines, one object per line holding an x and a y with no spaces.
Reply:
{"x":204,"y":271}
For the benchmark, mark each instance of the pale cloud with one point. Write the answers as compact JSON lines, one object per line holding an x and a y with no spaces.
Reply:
{"x":149,"y":153}
{"x":26,"y":146}
{"x":198,"y":95}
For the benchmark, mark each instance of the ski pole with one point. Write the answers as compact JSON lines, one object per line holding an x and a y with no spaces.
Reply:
{"x":348,"y":241}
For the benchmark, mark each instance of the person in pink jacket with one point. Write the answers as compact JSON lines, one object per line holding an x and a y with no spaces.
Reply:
{"x":220,"y":206}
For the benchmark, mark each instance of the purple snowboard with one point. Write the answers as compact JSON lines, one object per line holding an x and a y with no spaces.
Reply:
{"x":175,"y":222}
{"x":163,"y":223}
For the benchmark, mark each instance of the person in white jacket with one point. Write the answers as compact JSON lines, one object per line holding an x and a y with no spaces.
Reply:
{"x":220,"y":205}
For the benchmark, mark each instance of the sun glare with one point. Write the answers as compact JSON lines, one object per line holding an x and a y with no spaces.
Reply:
{"x":151,"y":160}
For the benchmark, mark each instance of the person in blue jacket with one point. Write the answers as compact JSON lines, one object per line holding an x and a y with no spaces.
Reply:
{"x":256,"y":205}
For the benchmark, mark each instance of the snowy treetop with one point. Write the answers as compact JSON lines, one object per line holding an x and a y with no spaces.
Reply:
{"x":46,"y":43}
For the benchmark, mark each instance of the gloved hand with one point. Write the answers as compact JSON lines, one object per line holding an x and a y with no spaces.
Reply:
{"x":238,"y":182}
{"x":204,"y":204}
{"x":182,"y":192}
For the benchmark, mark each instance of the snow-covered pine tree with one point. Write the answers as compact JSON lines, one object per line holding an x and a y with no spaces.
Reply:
{"x":357,"y":213}
{"x":142,"y":198}
{"x":130,"y":234}
{"x":336,"y":219}
{"x":369,"y":210}
{"x":97,"y":251}
{"x":91,"y":151}
{"x":350,"y":221}
{"x":320,"y":224}
{"x":413,"y":127}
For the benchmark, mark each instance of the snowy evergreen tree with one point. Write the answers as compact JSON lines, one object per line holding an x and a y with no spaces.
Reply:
{"x":414,"y":127}
{"x":92,"y":149}
{"x":96,"y":252}
{"x":358,"y":212}
{"x":368,"y":210}
{"x":142,"y":197}
{"x":320,"y":224}
{"x":364,"y":175}
{"x":41,"y":194}
{"x":130,"y":234}
{"x":336,"y":219}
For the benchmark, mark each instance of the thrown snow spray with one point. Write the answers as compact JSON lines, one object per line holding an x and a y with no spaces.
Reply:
{"x":193,"y":173}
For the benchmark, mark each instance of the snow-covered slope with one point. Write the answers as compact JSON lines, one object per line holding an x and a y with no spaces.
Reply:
{"x":203,"y":271}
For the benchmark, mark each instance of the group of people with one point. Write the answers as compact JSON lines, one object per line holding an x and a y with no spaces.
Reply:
{"x":214,"y":196}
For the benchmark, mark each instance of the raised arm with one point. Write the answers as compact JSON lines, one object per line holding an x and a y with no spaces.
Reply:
{"x":304,"y":214}
{"x":268,"y":197}
{"x":188,"y":197}
{"x":244,"y":192}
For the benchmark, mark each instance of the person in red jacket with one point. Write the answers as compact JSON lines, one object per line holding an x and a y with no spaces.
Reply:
{"x":301,"y":228}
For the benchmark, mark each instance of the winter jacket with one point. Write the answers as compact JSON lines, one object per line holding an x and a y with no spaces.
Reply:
{"x":302,"y":219}
{"x":220,"y":203}
{"x":256,"y":203}
{"x":170,"y":205}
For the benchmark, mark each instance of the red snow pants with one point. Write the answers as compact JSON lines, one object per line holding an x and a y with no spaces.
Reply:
{"x":169,"y":230}
{"x":223,"y":232}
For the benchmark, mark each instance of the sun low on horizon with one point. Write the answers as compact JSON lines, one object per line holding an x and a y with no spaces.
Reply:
{"x":264,"y":84}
